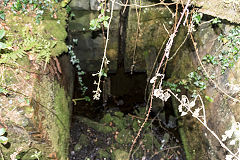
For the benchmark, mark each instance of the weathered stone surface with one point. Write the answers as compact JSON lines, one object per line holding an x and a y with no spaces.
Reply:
{"x":94,"y":5}
{"x":81,"y":20}
{"x":80,"y":4}
{"x":120,"y":155}
{"x":90,"y":47}
{"x":226,"y":9}
{"x":152,"y":35}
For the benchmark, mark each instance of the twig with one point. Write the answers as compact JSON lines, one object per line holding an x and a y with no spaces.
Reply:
{"x":136,"y":38}
{"x":178,"y":48}
{"x":146,"y":6}
{"x":169,"y":148}
{"x":166,"y":54}
{"x":104,"y":59}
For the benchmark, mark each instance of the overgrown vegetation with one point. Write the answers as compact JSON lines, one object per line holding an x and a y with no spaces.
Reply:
{"x":32,"y":32}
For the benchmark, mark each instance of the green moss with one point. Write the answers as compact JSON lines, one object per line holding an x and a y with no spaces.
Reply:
{"x":103,"y":154}
{"x":53,"y":115}
{"x":182,"y":132}
{"x":120,"y":123}
{"x":97,"y":126}
{"x":119,"y":114}
{"x":52,"y":30}
{"x":119,"y":155}
{"x":56,"y":31}
{"x":62,"y":122}
{"x":83,"y":141}
{"x":9,"y":77}
{"x":149,"y":140}
{"x":124,"y":137}
{"x":106,"y":119}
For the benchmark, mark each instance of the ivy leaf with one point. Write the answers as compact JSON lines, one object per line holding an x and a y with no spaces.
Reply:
{"x":106,"y":18}
{"x":3,"y":46}
{"x":2,"y":33}
{"x":103,"y":73}
{"x":3,"y":139}
{"x":2,"y":131}
{"x":216,"y":20}
{"x":2,"y":15}
{"x":105,"y":23}
{"x":94,"y":24}
{"x":87,"y":99}
{"x":209,"y":98}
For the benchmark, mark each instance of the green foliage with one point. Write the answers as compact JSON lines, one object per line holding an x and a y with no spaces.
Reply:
{"x":230,"y":52}
{"x":210,"y":59}
{"x":196,"y":79}
{"x":2,"y":15}
{"x":6,"y":2}
{"x":3,"y":91}
{"x":216,"y":21}
{"x":103,"y":73}
{"x":2,"y":45}
{"x":209,"y":98}
{"x":35,"y":45}
{"x":3,"y":139}
{"x":172,"y":86}
{"x":37,"y":155}
{"x":75,"y":61}
{"x":38,"y":7}
{"x":197,"y":17}
{"x":102,"y":19}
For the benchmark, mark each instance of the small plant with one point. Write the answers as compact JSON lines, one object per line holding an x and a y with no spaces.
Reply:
{"x":2,"y":45}
{"x":75,"y":62}
{"x":216,"y":21}
{"x":102,"y":20}
{"x":37,"y":155}
{"x":3,"y":139}
{"x":230,"y":52}
{"x":197,"y":17}
{"x":210,"y":59}
{"x":172,"y":86}
{"x":36,"y":6}
{"x":2,"y":15}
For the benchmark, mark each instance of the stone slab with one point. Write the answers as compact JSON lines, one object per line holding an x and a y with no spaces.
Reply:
{"x":225,"y":9}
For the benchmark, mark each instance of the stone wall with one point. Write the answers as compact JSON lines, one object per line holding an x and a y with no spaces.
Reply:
{"x":36,"y":102}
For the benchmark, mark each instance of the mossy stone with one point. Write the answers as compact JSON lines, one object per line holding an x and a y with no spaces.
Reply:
{"x":95,"y":125}
{"x":119,"y":114}
{"x":120,"y":123}
{"x":106,"y":119}
{"x":119,"y":155}
{"x":103,"y":154}
{"x":124,"y":136}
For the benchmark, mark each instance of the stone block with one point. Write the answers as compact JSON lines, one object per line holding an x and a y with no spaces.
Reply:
{"x":90,"y":49}
{"x":90,"y":45}
{"x":80,"y":4}
{"x":151,"y":36}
